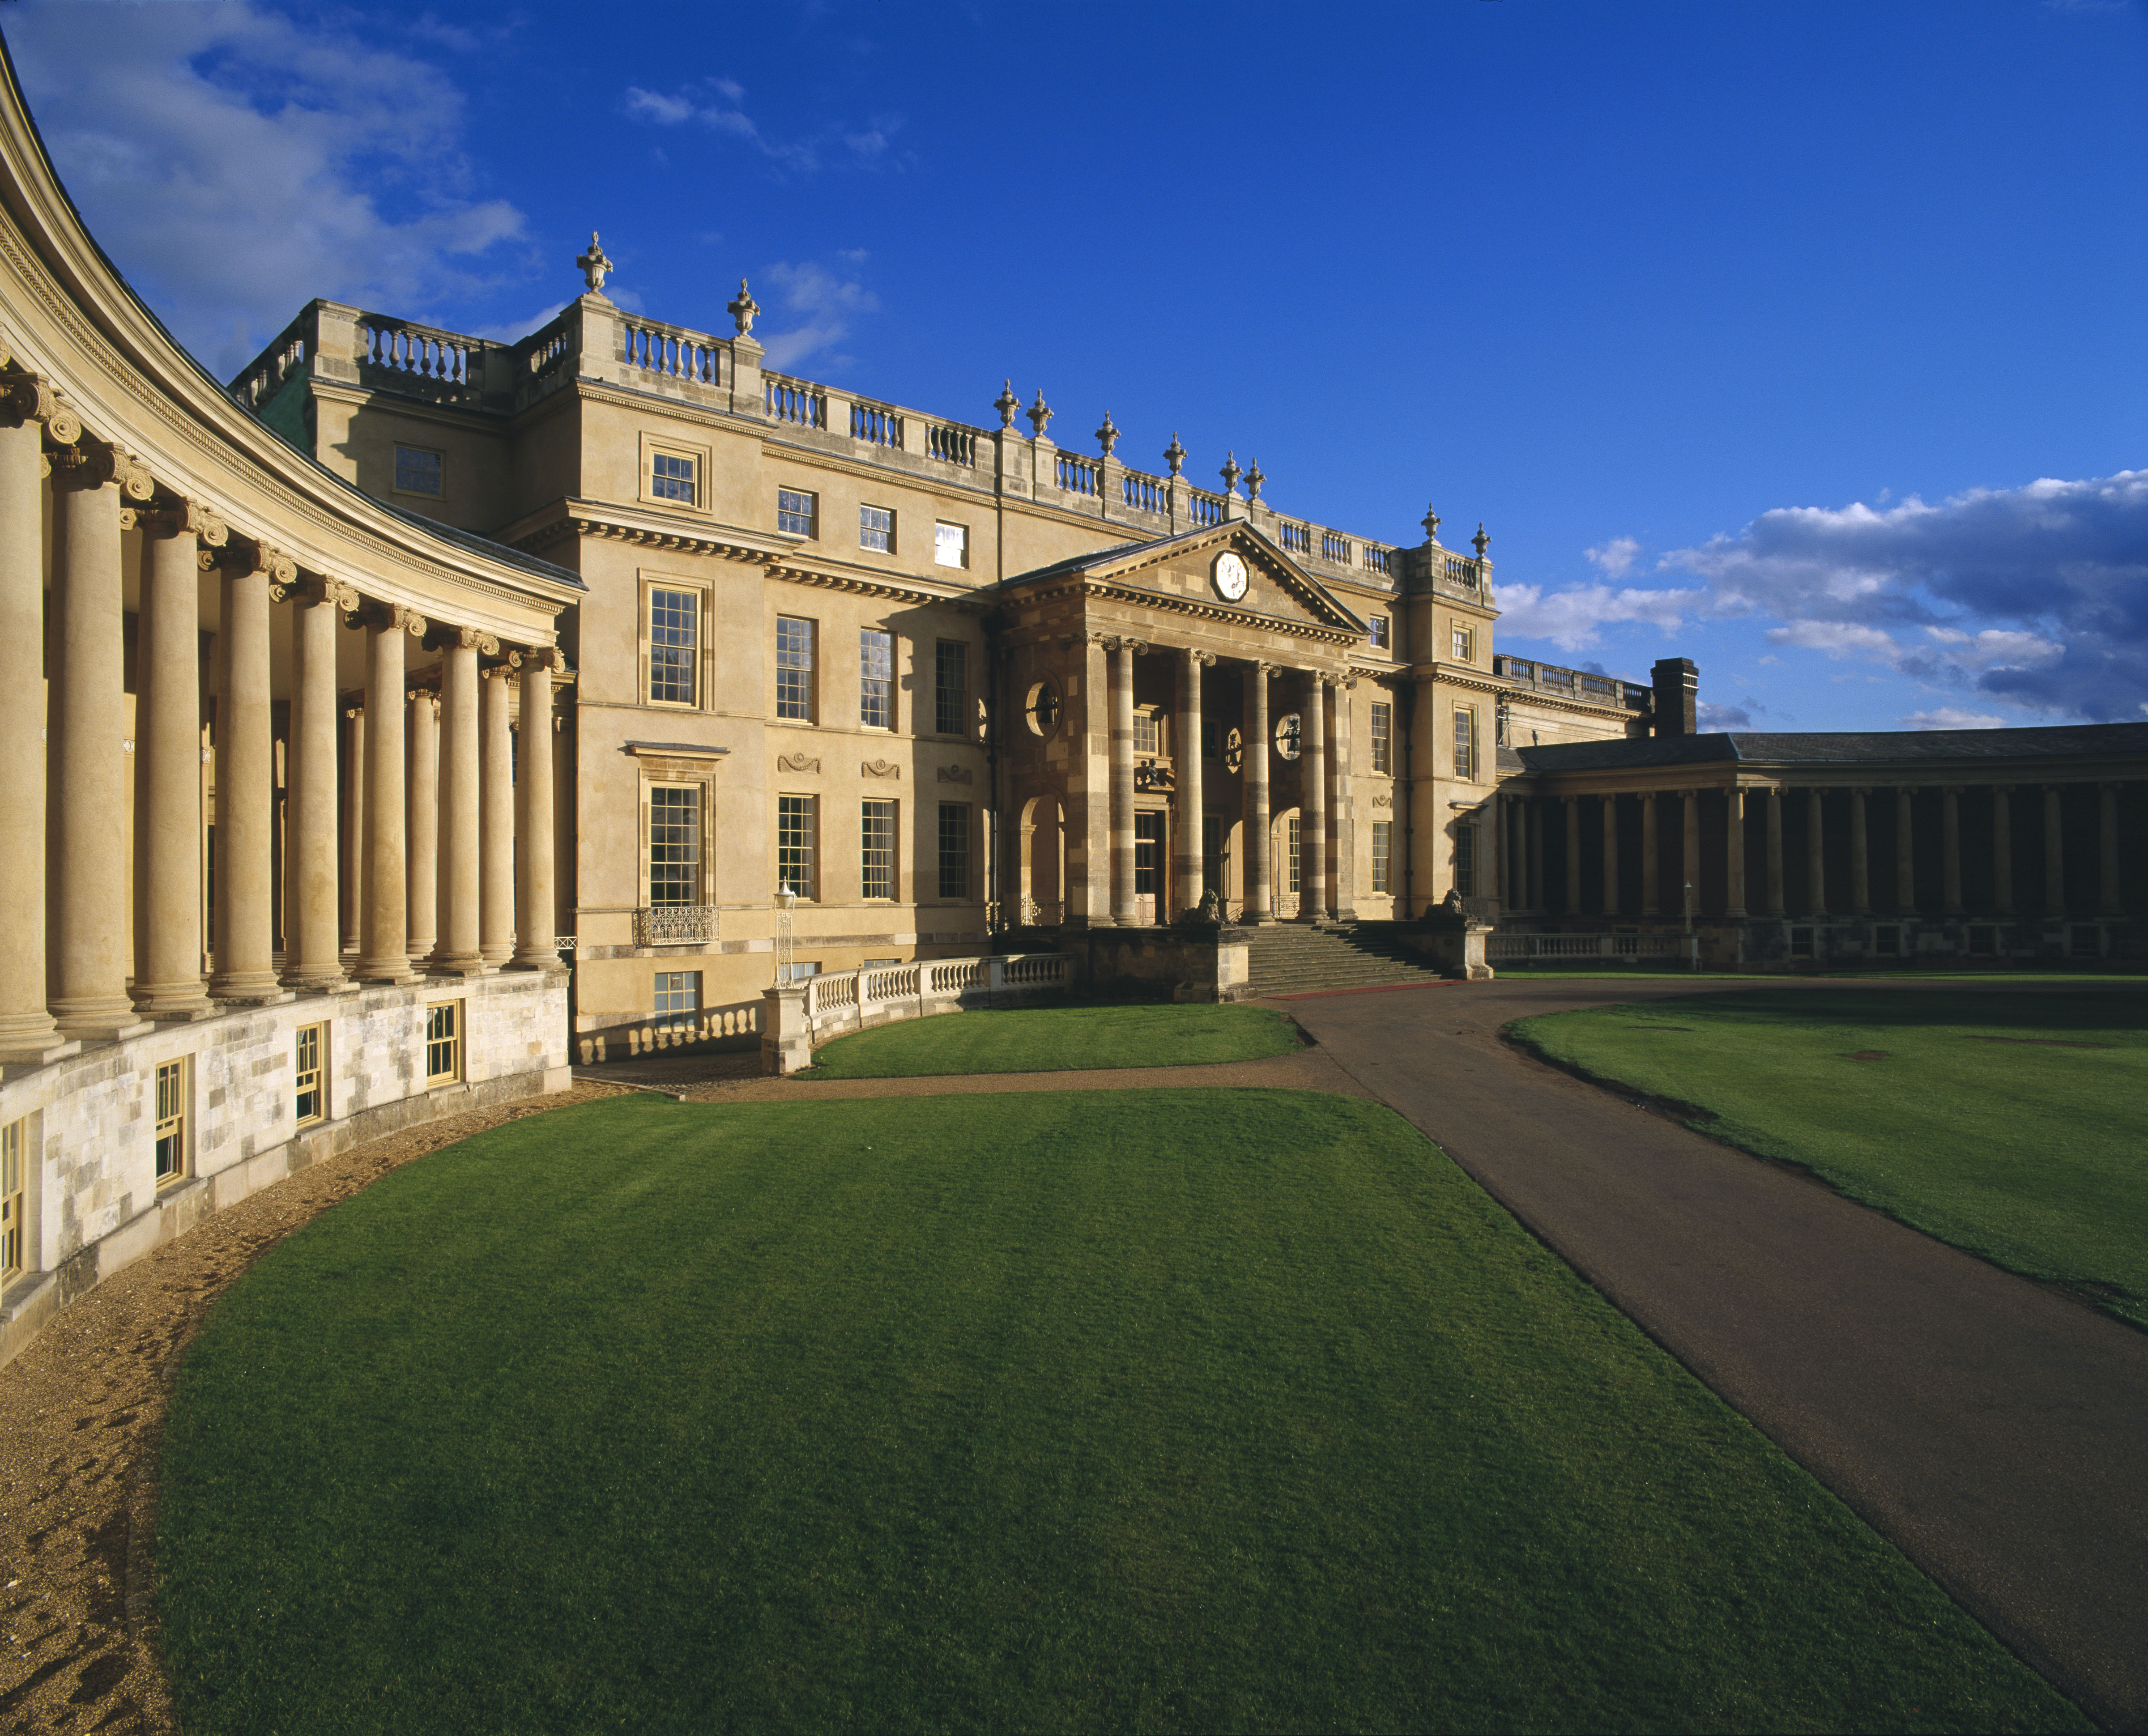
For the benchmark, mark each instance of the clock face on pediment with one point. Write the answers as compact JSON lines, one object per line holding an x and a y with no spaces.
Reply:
{"x":1228,"y":576}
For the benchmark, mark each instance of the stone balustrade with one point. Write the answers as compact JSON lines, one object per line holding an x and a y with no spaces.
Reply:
{"x":802,"y":1014}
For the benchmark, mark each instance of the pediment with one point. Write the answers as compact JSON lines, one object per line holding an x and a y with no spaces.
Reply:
{"x":1179,"y":572}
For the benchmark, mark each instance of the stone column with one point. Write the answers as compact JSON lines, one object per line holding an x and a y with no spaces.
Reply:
{"x":26,"y":1027}
{"x":1611,"y":855}
{"x":1776,"y":907}
{"x":2002,"y":850}
{"x":1260,"y":899}
{"x":2054,"y":854}
{"x":384,"y":953}
{"x":421,"y":784}
{"x":1815,"y":855}
{"x":1860,"y":865}
{"x":2107,"y":865}
{"x":1124,"y":911}
{"x":1186,"y":853}
{"x":1573,"y":854}
{"x":496,"y":777}
{"x":353,"y":833}
{"x":460,"y":951}
{"x":1905,"y":851}
{"x":535,"y":878}
{"x":314,"y":951}
{"x":168,"y":764}
{"x":1652,"y":858}
{"x":1689,"y":870}
{"x":1536,"y":872}
{"x":1515,"y":887}
{"x":1312,"y":906}
{"x":245,"y":948}
{"x":1734,"y":857}
{"x":86,"y":795}
{"x":1950,"y":849}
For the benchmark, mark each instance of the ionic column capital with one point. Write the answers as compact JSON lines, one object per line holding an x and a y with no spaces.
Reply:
{"x":184,"y":517}
{"x":32,"y":398}
{"x":331,"y":591}
{"x":386,"y":617}
{"x":441,"y":637}
{"x":1192,"y":656}
{"x":549,"y":658}
{"x":421,"y":696}
{"x":91,"y":462}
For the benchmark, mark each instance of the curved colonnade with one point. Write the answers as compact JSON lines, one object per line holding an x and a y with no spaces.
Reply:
{"x":246,"y":915}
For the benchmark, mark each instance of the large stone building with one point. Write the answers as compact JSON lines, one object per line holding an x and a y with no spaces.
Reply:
{"x":336,"y":706}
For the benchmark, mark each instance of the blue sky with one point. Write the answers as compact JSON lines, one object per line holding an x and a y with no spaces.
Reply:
{"x":1808,"y":341}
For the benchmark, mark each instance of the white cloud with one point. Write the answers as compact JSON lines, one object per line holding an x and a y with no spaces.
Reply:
{"x":1952,"y":717}
{"x":824,"y":304}
{"x":717,"y":104}
{"x":1615,"y":557}
{"x":2035,"y":597}
{"x":1571,"y":619}
{"x":236,"y":165}
{"x":1713,"y":717}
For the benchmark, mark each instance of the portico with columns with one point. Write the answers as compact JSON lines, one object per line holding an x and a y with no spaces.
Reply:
{"x":1180,"y":722}
{"x":1945,"y":845}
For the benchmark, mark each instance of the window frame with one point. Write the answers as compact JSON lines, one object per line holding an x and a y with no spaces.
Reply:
{"x":867,"y":681}
{"x":870,"y":824}
{"x":655,"y":446}
{"x":1294,"y":854}
{"x":1379,"y":632}
{"x":1462,"y":642}
{"x":14,"y":1199}
{"x":173,"y":1119}
{"x":867,"y":530}
{"x":1465,"y":858}
{"x":697,"y":792}
{"x":318,"y":1073}
{"x":939,"y":545}
{"x":689,"y":984}
{"x":444,"y":1036}
{"x":810,"y":809}
{"x":957,"y":861}
{"x":1383,"y":857}
{"x":943,"y":690}
{"x":652,"y":583}
{"x":440,"y":457}
{"x":1464,"y":744}
{"x":811,"y":714}
{"x":812,"y":497}
{"x":1380,"y":734}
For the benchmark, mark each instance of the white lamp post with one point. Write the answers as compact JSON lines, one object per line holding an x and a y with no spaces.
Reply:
{"x":785,"y":944}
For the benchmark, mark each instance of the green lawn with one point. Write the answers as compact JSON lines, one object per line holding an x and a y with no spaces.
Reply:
{"x":1036,"y":1039}
{"x":2031,"y":1151}
{"x":1203,"y":1410}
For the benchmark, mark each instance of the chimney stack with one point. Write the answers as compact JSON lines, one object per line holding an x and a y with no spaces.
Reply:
{"x":1678,"y":687}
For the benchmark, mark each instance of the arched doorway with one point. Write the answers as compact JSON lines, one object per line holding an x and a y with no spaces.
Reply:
{"x":1042,"y":863}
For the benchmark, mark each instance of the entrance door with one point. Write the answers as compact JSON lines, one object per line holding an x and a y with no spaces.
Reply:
{"x":1148,"y":864}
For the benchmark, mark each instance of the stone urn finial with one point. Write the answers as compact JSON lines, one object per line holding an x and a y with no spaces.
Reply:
{"x":1007,"y":403}
{"x":593,"y":266}
{"x":743,"y":309}
{"x":1480,"y":542}
{"x":1108,"y":436}
{"x":1253,"y":481}
{"x":1039,"y":414}
{"x":1431,"y":522}
{"x":1174,"y":454}
{"x":1230,"y":473}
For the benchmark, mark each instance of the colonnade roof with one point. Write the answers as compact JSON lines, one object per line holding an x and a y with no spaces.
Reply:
{"x":1933,"y":748}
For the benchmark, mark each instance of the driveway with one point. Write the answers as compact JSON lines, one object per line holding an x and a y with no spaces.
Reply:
{"x":1996,"y":1431}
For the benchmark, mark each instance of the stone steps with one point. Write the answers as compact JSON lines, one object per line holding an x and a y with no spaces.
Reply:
{"x":1290,"y":960}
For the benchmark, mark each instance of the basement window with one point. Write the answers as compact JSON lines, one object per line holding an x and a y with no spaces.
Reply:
{"x":1801,"y":943}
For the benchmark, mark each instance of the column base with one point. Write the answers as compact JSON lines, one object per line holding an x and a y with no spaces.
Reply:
{"x":395,"y":969}
{"x":28,"y":1033}
{"x":172,"y":1000}
{"x":244,"y":985}
{"x":463,"y":964}
{"x":14,"y":1060}
{"x":96,"y":1019}
{"x":497,"y":954}
{"x":275,"y":997}
{"x":324,"y":981}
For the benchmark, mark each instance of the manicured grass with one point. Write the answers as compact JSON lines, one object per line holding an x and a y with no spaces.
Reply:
{"x":1148,"y":1411}
{"x":2030,"y":1151}
{"x":1036,"y":1040}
